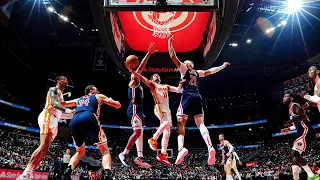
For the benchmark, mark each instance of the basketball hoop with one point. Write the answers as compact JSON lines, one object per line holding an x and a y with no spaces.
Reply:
{"x":161,"y":23}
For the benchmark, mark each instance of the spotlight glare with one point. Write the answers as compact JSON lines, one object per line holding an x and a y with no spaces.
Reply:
{"x":283,"y":22}
{"x":249,"y":41}
{"x":293,"y":5}
{"x":50,"y":9}
{"x":65,"y":19}
{"x":268,"y":31}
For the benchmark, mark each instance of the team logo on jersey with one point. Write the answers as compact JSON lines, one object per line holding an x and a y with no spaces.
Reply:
{"x":299,"y":144}
{"x":177,"y":20}
{"x":136,"y":121}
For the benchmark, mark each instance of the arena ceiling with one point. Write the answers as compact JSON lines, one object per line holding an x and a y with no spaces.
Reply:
{"x":31,"y":31}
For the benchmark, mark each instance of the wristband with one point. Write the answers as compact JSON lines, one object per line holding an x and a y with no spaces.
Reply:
{"x":68,"y":111}
{"x":292,"y":128}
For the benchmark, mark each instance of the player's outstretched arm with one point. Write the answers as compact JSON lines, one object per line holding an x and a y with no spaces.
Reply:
{"x":315,"y":98}
{"x":70,"y":103}
{"x":172,"y":53}
{"x":213,"y":70}
{"x":142,"y":78}
{"x":108,"y":100}
{"x":151,"y":50}
{"x":176,"y":89}
{"x":56,"y":102}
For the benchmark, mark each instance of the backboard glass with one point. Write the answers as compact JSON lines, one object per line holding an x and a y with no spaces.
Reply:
{"x":153,"y":5}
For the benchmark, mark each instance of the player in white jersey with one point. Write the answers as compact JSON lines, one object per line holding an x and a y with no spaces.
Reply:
{"x":48,"y":123}
{"x":161,"y":110}
{"x":227,"y":156}
{"x":234,"y":164}
{"x":314,"y":75}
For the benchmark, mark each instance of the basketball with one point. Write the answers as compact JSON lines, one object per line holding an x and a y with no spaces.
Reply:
{"x":132,"y":61}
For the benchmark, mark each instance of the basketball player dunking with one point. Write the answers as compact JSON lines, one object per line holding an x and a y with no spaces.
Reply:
{"x":314,"y":75}
{"x":191,"y":103}
{"x":305,"y":134}
{"x":136,"y":115}
{"x":161,"y":110}
{"x":48,"y":123}
{"x":227,"y":156}
{"x":85,"y":124}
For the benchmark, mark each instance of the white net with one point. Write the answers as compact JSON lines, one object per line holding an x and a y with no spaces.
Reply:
{"x":161,"y":23}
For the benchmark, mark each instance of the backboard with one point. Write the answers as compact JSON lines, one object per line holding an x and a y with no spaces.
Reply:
{"x":161,"y":5}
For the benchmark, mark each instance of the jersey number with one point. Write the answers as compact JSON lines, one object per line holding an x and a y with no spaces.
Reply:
{"x":84,"y":102}
{"x":165,"y":95}
{"x":193,"y":80}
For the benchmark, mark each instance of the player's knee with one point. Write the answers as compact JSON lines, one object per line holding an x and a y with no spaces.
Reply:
{"x":81,"y":150}
{"x":137,"y":132}
{"x":44,"y":147}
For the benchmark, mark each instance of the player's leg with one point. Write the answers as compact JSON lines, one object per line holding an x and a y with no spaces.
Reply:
{"x":46,"y":137}
{"x":38,"y":155}
{"x":227,"y":169}
{"x":163,"y":157}
{"x":105,"y":153}
{"x":235,"y":169}
{"x":139,"y":144}
{"x":131,"y":141}
{"x":299,"y":146}
{"x":163,"y":125}
{"x":181,"y":120}
{"x":182,"y":116}
{"x":199,"y":119}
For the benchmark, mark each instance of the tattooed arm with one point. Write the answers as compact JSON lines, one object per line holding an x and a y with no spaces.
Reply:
{"x":54,"y":93}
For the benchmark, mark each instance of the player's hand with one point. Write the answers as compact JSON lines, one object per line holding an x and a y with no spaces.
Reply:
{"x":228,"y":154}
{"x":152,"y":48}
{"x":222,"y":162}
{"x":171,"y":39}
{"x":303,"y":93}
{"x":118,"y":105}
{"x":285,"y":130}
{"x":69,"y":111}
{"x":225,"y":64}
{"x":288,"y":123}
{"x":240,"y":163}
{"x":128,"y":67}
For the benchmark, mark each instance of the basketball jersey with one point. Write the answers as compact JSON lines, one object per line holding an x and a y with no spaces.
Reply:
{"x":225,"y":149}
{"x":302,"y":125}
{"x":49,"y":103}
{"x":135,"y":95}
{"x":160,"y":95}
{"x":191,"y":84}
{"x":88,"y":103}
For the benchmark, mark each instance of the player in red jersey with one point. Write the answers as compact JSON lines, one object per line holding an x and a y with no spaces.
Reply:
{"x":48,"y":123}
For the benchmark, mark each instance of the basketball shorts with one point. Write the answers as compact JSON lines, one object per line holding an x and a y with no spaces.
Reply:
{"x":85,"y":125}
{"x":136,"y":116}
{"x":190,"y":105}
{"x":228,"y":160}
{"x":304,"y":138}
{"x":48,"y":123}
{"x":163,"y":113}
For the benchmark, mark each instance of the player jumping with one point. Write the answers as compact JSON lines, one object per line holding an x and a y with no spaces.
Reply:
{"x":161,"y":110}
{"x":48,"y":123}
{"x":191,"y":103}
{"x":136,"y":115}
{"x":227,"y":156}
{"x":314,"y":75}
{"x":305,"y":134}
{"x":85,"y":124}
{"x":234,"y":164}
